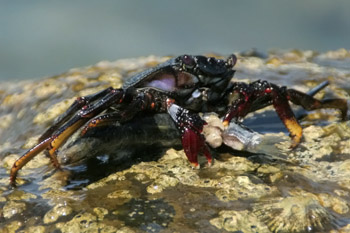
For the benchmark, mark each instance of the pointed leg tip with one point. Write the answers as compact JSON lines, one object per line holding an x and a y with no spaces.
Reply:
{"x":195,"y":165}
{"x":344,"y":116}
{"x":13,"y":183}
{"x":225,"y":123}
{"x":210,"y":162}
{"x":295,"y":143}
{"x":83,"y":132}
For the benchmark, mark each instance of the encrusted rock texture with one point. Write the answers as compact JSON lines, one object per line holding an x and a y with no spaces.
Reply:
{"x":270,"y":189}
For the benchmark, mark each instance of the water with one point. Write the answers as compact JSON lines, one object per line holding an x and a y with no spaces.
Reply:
{"x":43,"y":38}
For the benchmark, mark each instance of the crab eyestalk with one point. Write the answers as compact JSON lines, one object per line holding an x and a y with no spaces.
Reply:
{"x":231,"y":60}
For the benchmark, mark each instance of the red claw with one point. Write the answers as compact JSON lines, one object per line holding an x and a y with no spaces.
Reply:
{"x":190,"y":143}
{"x":190,"y":126}
{"x":194,"y":144}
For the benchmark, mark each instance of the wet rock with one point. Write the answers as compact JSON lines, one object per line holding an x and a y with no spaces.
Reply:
{"x":239,"y":221}
{"x":86,"y":223}
{"x":53,"y":112}
{"x":6,"y":121}
{"x":162,"y":182}
{"x":337,"y":54}
{"x":100,"y":212}
{"x":56,"y":212}
{"x":241,"y":187}
{"x":342,"y":230}
{"x":122,"y":196}
{"x":12,"y":208}
{"x":297,"y":213}
{"x":12,"y":226}
{"x":35,"y":229}
{"x":264,"y":188}
{"x":149,"y":215}
{"x":18,"y":195}
{"x":55,"y":197}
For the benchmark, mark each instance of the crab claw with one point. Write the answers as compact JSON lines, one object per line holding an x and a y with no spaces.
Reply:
{"x":194,"y":144}
{"x":190,"y":126}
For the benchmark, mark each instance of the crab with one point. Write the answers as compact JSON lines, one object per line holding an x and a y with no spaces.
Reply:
{"x":183,"y":87}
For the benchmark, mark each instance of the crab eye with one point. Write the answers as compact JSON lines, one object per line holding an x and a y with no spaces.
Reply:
{"x":188,"y":61}
{"x":232,"y":60}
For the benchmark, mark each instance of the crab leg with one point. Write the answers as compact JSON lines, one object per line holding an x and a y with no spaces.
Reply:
{"x":24,"y":159}
{"x":190,"y":126}
{"x":310,"y":103}
{"x":264,"y":92}
{"x":261,"y":90}
{"x":60,"y":136}
{"x":264,"y":102}
{"x":101,"y":121}
{"x":107,"y":118}
{"x":270,"y":93}
{"x":142,"y":102}
{"x":77,"y":104}
{"x":285,"y":113}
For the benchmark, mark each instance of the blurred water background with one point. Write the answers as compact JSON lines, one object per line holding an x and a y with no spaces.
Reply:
{"x":42,"y":38}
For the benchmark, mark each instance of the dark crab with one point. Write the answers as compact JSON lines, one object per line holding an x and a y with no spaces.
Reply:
{"x":183,"y":87}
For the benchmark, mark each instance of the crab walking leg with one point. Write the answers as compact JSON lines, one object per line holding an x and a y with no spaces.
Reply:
{"x":53,"y":142}
{"x":261,"y":90}
{"x":264,"y":92}
{"x":264,"y":102}
{"x":24,"y":159}
{"x":62,"y":135}
{"x":250,"y":96}
{"x":280,"y":103}
{"x":142,"y":102}
{"x":318,"y":88}
{"x":77,"y":104}
{"x":108,"y":118}
{"x":190,"y":126}
{"x":101,"y":121}
{"x":285,"y":113}
{"x":310,"y":103}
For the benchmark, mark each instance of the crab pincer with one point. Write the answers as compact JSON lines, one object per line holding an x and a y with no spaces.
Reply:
{"x":190,"y":126}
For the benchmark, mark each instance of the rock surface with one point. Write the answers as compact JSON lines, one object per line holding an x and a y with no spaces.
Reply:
{"x":153,"y":188}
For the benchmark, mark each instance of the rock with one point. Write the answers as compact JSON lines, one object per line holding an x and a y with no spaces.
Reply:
{"x":12,"y":208}
{"x":56,"y":212}
{"x":239,"y":221}
{"x":297,"y":213}
{"x":86,"y":223}
{"x":137,"y":178}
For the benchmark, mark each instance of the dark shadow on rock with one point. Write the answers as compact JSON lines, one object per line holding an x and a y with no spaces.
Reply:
{"x":108,"y":149}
